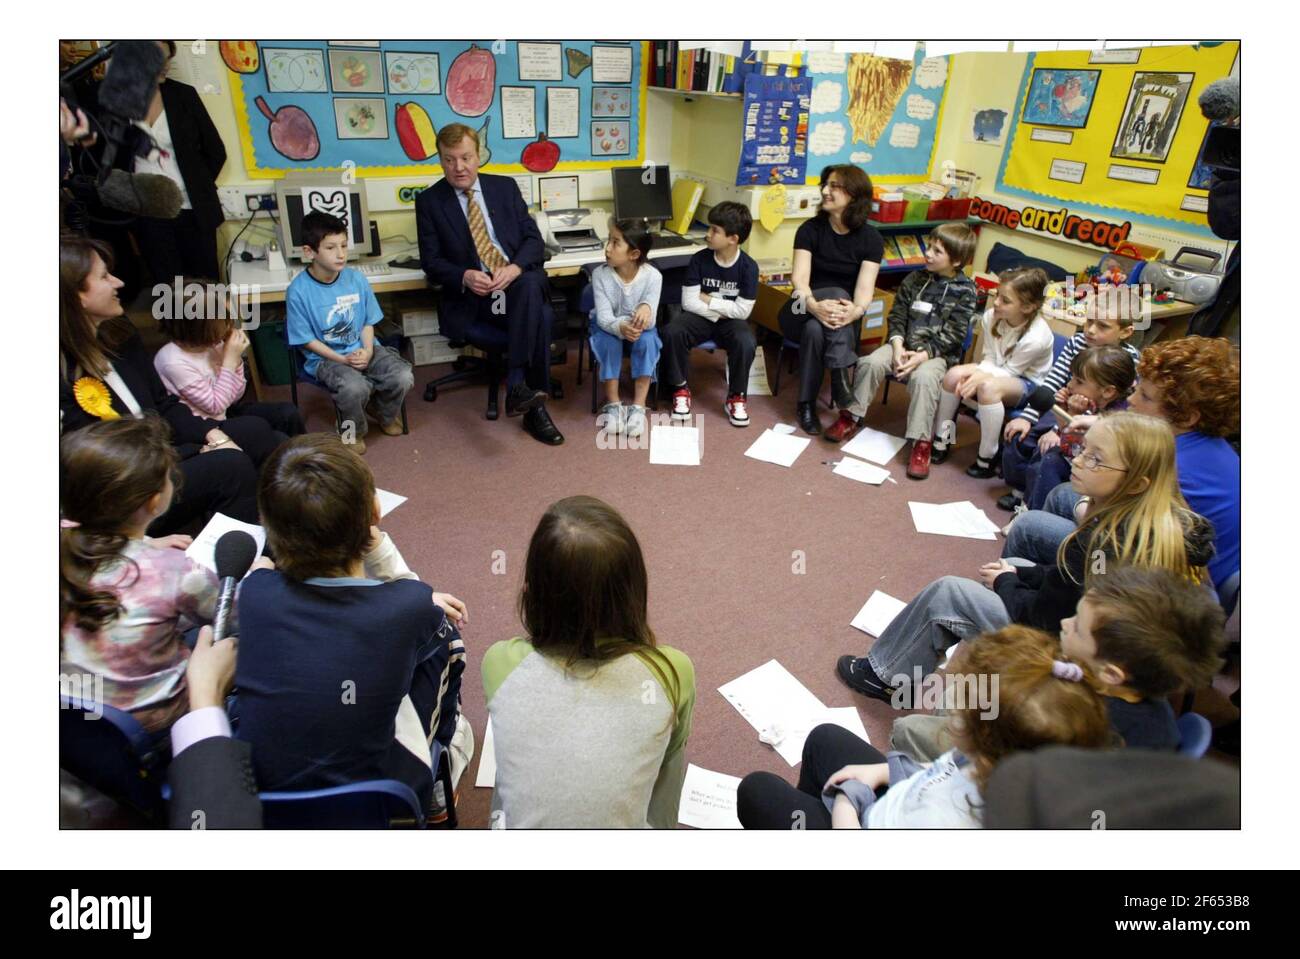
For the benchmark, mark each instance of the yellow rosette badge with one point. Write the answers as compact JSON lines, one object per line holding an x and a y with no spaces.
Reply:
{"x":93,"y":397}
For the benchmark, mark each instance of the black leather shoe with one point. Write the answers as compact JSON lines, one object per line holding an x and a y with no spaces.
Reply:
{"x":938,"y":454}
{"x":808,"y":421}
{"x":537,"y":422}
{"x":981,"y":469}
{"x":521,"y":398}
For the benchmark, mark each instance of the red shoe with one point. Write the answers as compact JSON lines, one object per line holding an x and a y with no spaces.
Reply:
{"x":682,"y":403}
{"x":918,"y":467}
{"x":844,"y":428}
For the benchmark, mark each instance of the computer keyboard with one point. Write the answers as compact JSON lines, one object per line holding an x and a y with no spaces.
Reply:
{"x":669,"y":241}
{"x":374,"y":269}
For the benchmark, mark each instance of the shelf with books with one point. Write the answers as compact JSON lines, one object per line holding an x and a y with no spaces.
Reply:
{"x":698,"y":93}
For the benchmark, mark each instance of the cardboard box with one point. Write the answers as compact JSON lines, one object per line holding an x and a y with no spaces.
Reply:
{"x":428,"y":350}
{"x":419,"y":322}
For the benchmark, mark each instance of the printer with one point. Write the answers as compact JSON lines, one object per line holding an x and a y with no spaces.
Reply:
{"x":568,"y":231}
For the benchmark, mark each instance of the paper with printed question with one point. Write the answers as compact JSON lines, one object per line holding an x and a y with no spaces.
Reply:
{"x":962,"y":519}
{"x":861,"y":471}
{"x":708,"y":799}
{"x":874,"y":445}
{"x":778,"y":448}
{"x":203,"y":549}
{"x":777,"y":705}
{"x":675,"y":445}
{"x":877,"y":613}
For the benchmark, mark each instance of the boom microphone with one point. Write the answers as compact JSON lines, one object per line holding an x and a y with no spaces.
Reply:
{"x":131,"y":79}
{"x":143,"y":194}
{"x":234,"y":554}
{"x":1221,"y":100}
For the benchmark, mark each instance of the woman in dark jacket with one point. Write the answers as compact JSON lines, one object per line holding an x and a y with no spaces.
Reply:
{"x":183,"y":145}
{"x":106,"y":372}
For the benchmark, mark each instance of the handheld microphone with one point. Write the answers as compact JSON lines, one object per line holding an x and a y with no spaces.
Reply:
{"x":234,"y":554}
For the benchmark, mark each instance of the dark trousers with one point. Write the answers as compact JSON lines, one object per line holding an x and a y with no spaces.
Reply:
{"x":765,"y":801}
{"x":258,"y":428}
{"x":223,"y":481}
{"x":821,"y":348}
{"x":522,"y":314}
{"x":179,"y":247}
{"x":1049,"y":472}
{"x":688,"y":330}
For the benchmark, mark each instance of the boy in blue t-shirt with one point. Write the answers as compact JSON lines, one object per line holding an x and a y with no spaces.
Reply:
{"x":331,"y":312}
{"x":718,"y":294}
{"x":349,"y":667}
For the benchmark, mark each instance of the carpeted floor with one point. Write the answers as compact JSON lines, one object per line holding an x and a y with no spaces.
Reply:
{"x":719,"y":539}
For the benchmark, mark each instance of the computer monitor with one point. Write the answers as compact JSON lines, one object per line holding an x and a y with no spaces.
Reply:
{"x":634,"y":197}
{"x":297,"y":196}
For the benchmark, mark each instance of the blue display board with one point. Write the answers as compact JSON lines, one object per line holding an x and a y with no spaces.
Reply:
{"x":874,"y":112}
{"x":774,"y":144}
{"x":376,"y":105}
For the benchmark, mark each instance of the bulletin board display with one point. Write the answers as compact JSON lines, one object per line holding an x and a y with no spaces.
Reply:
{"x":1118,"y":137}
{"x":375,"y":106}
{"x":875,"y":112}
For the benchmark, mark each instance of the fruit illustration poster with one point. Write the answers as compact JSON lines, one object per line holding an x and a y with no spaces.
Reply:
{"x":378,"y":105}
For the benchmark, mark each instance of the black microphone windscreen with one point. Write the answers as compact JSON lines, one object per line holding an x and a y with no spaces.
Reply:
{"x":144,"y":194}
{"x":132,"y":76}
{"x":1221,"y":100}
{"x":234,"y":554}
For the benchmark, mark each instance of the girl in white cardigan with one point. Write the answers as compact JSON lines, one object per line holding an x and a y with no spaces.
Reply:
{"x":1017,"y":355}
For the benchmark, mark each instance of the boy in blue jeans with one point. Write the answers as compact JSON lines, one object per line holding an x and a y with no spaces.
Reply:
{"x":332,"y":312}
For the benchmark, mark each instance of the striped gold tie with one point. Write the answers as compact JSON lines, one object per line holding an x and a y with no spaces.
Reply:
{"x":489,"y":254}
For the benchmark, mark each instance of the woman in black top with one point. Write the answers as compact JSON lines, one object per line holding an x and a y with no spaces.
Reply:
{"x":106,"y":372}
{"x":185,"y":147}
{"x":837,"y":257}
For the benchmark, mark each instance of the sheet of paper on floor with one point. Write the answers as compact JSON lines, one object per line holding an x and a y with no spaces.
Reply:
{"x":777,"y":705}
{"x":773,"y":447}
{"x":388,"y":501}
{"x":861,"y":471}
{"x":675,"y":445}
{"x":785,"y":429}
{"x":708,"y":799}
{"x":874,"y":445}
{"x":848,"y":717}
{"x":950,"y":519}
{"x":203,"y":549}
{"x":876,"y":613}
{"x":487,"y":763}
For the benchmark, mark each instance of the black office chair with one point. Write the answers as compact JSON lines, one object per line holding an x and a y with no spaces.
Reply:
{"x":493,"y":341}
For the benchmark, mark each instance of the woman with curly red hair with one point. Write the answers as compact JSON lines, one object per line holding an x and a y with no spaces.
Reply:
{"x":1193,"y":384}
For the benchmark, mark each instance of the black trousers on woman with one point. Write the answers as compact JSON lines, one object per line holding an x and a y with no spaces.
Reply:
{"x":258,"y":428}
{"x":184,"y":246}
{"x":223,"y":481}
{"x":822,"y":348}
{"x":765,"y":801}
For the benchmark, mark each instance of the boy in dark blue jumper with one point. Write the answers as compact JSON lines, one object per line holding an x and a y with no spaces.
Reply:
{"x":349,"y":667}
{"x":718,"y":294}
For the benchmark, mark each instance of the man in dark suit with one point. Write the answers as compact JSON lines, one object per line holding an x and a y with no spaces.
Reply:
{"x":478,"y":242}
{"x":211,"y":775}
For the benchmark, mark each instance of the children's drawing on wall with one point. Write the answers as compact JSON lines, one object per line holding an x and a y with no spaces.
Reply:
{"x":471,"y":82}
{"x":987,"y":126}
{"x":578,"y":60}
{"x":1150,"y":119}
{"x":611,"y":101}
{"x":240,"y":55}
{"x":295,"y":71}
{"x":361,"y":119}
{"x":413,"y":73}
{"x":356,"y":71}
{"x":1060,"y":98}
{"x":876,"y":84}
{"x":292,"y":133}
{"x":610,"y":137}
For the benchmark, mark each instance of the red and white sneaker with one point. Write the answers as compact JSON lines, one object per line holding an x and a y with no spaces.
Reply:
{"x":682,"y":403}
{"x":736,"y":412}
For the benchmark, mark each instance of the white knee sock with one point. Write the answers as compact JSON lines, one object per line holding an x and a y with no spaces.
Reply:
{"x":947,"y":413}
{"x":991,"y":417}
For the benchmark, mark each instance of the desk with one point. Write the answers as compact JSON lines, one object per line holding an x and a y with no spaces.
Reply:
{"x":269,"y":286}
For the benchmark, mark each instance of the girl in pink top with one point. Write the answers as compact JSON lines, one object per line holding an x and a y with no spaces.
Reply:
{"x":204,"y":364}
{"x":125,"y":600}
